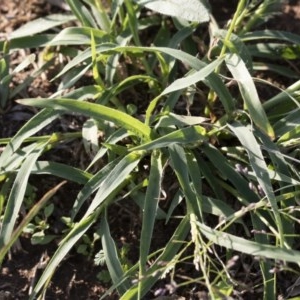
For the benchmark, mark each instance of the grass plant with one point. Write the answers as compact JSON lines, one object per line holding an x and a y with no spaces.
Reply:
{"x":232,"y":156}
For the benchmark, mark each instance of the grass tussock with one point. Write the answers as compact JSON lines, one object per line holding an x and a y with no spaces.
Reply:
{"x":173,"y":129}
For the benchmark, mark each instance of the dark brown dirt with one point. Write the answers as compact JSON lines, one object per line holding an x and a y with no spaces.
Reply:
{"x":77,"y":276}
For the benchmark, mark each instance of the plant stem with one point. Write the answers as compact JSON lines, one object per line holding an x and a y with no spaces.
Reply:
{"x":55,"y":137}
{"x":260,"y":11}
{"x":238,"y":12}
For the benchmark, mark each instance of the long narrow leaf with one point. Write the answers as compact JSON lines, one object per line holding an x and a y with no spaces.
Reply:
{"x":155,"y":271}
{"x":230,"y":241}
{"x":249,"y":93}
{"x":95,"y":111}
{"x":271,"y":35}
{"x":185,"y":136}
{"x":82,"y":13}
{"x":39,"y":121}
{"x":189,"y":80}
{"x":114,"y":178}
{"x":35,"y":41}
{"x":41,"y":24}
{"x":111,"y":258}
{"x":229,"y":173}
{"x":150,"y":208}
{"x":17,"y":193}
{"x":79,"y":36}
{"x":179,"y":164}
{"x":13,"y":162}
{"x":61,"y":170}
{"x":260,"y":168}
{"x":91,"y":186}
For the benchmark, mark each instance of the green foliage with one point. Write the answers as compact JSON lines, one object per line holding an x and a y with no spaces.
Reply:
{"x":232,"y":162}
{"x":191,"y":10}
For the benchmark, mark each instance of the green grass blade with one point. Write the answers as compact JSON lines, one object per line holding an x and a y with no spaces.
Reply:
{"x":210,"y":177}
{"x":139,"y":198}
{"x":260,"y":168}
{"x":281,"y":70}
{"x":249,"y":247}
{"x":271,"y":35}
{"x":115,"y":137}
{"x":189,"y":80}
{"x":133,"y":25}
{"x":41,"y":24}
{"x":38,"y":40}
{"x":5,"y":80}
{"x":101,"y":16}
{"x":172,"y":119}
{"x":116,"y":6}
{"x":71,"y":78}
{"x":90,"y":137}
{"x":83,"y":93}
{"x":91,"y":186}
{"x":113,"y":61}
{"x":5,"y":75}
{"x":220,"y":209}
{"x":79,"y":36}
{"x":178,"y":37}
{"x":285,"y":101}
{"x":81,"y":13}
{"x":86,"y":56}
{"x":39,"y":121}
{"x":290,"y":135}
{"x":111,"y":258}
{"x":15,"y":160}
{"x":185,"y":136}
{"x":95,"y":111}
{"x":195,"y":177}
{"x":283,"y":174}
{"x":177,"y":199}
{"x":169,"y":252}
{"x":287,"y":123}
{"x":236,"y":45}
{"x":61,"y":170}
{"x":17,"y":193}
{"x":221,"y":164}
{"x":249,"y":93}
{"x":275,"y":51}
{"x":150,"y":210}
{"x":179,"y":164}
{"x":115,"y":178}
{"x":130,"y":81}
{"x":212,"y":81}
{"x":95,"y":71}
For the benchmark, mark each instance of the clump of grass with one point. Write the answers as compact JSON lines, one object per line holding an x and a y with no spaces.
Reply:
{"x":234,"y":160}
